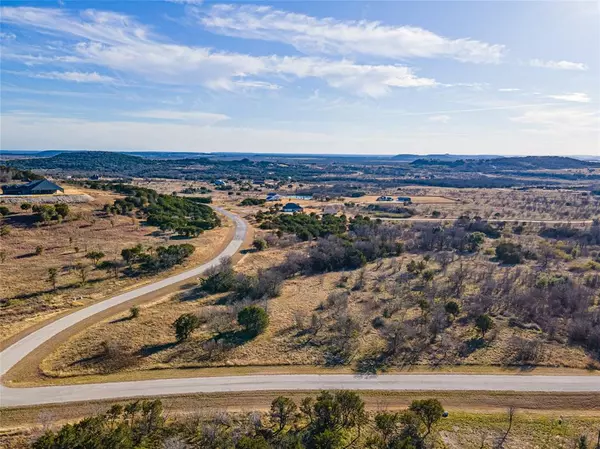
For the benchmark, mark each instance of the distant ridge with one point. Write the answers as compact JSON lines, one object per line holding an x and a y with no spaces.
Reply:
{"x":444,"y":157}
{"x":509,"y":163}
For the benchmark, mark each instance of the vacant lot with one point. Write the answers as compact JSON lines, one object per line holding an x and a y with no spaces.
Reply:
{"x":533,"y":204}
{"x":31,"y":250}
{"x":371,"y":297}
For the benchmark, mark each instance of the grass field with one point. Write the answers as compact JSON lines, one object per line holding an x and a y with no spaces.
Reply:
{"x":27,"y":292}
{"x":148,"y":342}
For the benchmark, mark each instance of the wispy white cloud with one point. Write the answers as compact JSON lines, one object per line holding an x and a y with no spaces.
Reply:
{"x":120,"y":43}
{"x":78,"y":77}
{"x":206,"y":118}
{"x":7,"y":36}
{"x":558,"y":65}
{"x":328,"y":36}
{"x":509,"y":89}
{"x":263,"y":85}
{"x":575,"y":97}
{"x":187,"y":2}
{"x":439,"y":118}
{"x":34,"y":131}
{"x":562,"y":120}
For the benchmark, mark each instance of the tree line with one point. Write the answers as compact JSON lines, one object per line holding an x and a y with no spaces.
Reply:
{"x":331,"y":420}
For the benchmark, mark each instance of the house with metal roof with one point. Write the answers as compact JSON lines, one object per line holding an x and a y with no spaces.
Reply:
{"x":37,"y":187}
{"x":291,"y":208}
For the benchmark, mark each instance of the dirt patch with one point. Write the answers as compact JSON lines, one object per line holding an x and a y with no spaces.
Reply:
{"x":70,"y":198}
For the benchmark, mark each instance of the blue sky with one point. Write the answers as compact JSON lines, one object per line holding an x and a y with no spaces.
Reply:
{"x":473,"y":77}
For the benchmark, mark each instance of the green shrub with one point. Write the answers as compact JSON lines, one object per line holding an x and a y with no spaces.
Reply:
{"x":484,"y":323}
{"x":95,"y":256}
{"x":252,"y":202}
{"x":259,"y":244}
{"x":254,"y":319}
{"x":134,"y":312}
{"x":452,"y":308}
{"x":185,"y":325}
{"x":509,"y":253}
{"x":62,"y":209}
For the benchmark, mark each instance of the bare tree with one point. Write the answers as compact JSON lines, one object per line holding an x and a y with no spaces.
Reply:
{"x":82,"y":271}
{"x":510,"y":415}
{"x":53,"y":277}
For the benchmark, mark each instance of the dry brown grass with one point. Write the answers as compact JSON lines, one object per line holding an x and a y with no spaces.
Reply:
{"x":540,"y":422}
{"x":534,"y":204}
{"x":148,"y":342}
{"x":25,"y":286}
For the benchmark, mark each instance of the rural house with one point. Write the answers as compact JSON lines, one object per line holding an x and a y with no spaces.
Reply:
{"x":38,"y":187}
{"x":292,"y":207}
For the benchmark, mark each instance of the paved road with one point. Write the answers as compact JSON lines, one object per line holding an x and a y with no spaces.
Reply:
{"x":407,"y":382}
{"x":15,"y":353}
{"x":10,"y":397}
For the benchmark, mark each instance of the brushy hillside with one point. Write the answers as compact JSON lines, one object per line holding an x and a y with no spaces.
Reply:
{"x":508,"y":163}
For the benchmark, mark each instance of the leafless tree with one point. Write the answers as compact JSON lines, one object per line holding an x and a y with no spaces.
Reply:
{"x":510,"y":413}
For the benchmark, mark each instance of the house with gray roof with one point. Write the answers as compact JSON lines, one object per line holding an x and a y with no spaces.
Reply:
{"x":37,"y":187}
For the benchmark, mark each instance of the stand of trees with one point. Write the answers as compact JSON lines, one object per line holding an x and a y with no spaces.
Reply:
{"x":305,"y":226}
{"x":162,"y":258}
{"x":183,"y":215}
{"x":328,"y":421}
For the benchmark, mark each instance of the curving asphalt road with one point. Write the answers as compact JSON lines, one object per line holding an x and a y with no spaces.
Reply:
{"x":12,"y":397}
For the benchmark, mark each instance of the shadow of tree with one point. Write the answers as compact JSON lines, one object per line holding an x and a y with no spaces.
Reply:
{"x":472,"y":345}
{"x":58,"y":289}
{"x":149,"y":350}
{"x":372,"y":363}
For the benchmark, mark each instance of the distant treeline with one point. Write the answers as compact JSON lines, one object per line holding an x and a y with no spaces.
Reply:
{"x":11,"y":174}
{"x":510,"y":163}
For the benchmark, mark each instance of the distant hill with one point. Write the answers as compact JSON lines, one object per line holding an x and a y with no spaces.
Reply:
{"x":84,"y":160}
{"x":107,"y":163}
{"x":509,"y":163}
{"x":441,"y":157}
{"x":14,"y":175}
{"x":100,"y":162}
